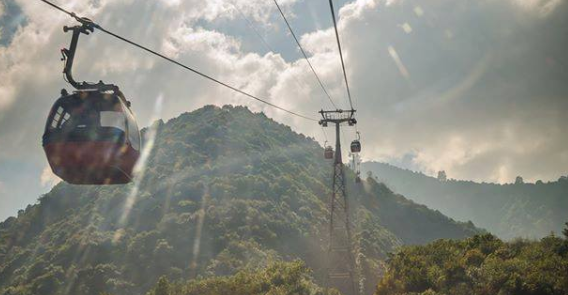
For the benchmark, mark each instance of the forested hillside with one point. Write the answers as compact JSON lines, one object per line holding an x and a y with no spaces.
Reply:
{"x":224,"y":190}
{"x":278,"y":278}
{"x":510,"y":210}
{"x":482,"y":265}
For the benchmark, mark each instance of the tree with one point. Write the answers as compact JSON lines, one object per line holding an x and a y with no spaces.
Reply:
{"x":416,"y":270}
{"x":565,"y":231}
{"x":519,"y":180}
{"x":442,"y":176}
{"x":163,"y":287}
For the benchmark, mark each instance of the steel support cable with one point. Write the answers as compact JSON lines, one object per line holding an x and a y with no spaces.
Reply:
{"x":252,"y":26}
{"x":324,"y":133}
{"x":304,"y":53}
{"x":95,"y":25}
{"x":267,"y":46}
{"x":340,"y":52}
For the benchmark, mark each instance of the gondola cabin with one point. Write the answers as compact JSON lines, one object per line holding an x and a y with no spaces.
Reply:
{"x":356,"y":146}
{"x":91,"y":137}
{"x":328,"y":153}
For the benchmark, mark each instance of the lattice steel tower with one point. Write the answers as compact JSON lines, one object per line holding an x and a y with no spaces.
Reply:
{"x":341,"y":263}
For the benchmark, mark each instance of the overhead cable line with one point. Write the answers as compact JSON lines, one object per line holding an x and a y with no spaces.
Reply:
{"x":304,"y":53}
{"x":324,"y":133}
{"x":97,"y":26}
{"x":254,"y":28}
{"x":340,"y":52}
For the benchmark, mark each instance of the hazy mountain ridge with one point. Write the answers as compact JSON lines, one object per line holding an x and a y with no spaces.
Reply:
{"x":508,"y":210}
{"x":224,"y":190}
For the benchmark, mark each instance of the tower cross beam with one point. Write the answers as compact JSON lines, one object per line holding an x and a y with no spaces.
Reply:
{"x":338,"y":117}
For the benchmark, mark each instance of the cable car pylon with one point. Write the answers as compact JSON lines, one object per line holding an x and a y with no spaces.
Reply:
{"x":340,"y":258}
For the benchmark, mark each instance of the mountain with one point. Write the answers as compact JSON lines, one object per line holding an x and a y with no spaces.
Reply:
{"x":481,"y":265}
{"x":222,"y":190}
{"x":508,"y":210}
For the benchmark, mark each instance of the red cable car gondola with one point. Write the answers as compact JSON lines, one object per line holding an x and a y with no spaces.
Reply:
{"x":91,"y":136}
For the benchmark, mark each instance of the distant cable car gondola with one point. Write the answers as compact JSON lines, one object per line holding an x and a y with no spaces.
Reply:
{"x":91,"y":136}
{"x":328,"y":152}
{"x":356,"y":144}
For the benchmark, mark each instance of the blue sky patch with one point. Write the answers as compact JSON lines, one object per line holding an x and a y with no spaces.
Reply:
{"x":10,"y":21}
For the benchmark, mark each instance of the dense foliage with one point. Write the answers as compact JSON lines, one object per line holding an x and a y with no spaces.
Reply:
{"x":278,"y":278}
{"x":481,"y":265}
{"x":223,"y":190}
{"x":508,"y":211}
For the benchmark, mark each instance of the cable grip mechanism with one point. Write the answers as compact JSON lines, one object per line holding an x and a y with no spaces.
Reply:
{"x":86,"y":27}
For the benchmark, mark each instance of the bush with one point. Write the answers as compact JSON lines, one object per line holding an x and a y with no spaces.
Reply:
{"x":481,"y":265}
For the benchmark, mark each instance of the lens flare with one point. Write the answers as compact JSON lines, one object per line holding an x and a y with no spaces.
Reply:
{"x":140,"y":168}
{"x":198,"y":231}
{"x":396,"y":58}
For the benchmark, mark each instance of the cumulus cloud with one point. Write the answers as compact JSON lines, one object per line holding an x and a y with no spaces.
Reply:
{"x":33,"y":53}
{"x":47,"y":178}
{"x":31,"y":70}
{"x":542,"y":7}
{"x":476,"y":88}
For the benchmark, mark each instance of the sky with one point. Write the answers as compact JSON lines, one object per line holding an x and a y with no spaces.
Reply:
{"x":476,"y":88}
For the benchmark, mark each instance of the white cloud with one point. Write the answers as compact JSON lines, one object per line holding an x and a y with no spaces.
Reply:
{"x":479,"y":105}
{"x":542,"y":7}
{"x":48,"y":179}
{"x":34,"y":53}
{"x":464,"y":105}
{"x":7,"y":93}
